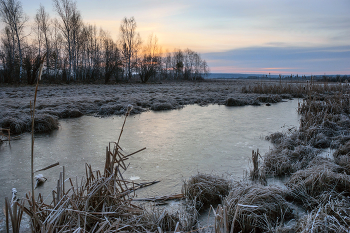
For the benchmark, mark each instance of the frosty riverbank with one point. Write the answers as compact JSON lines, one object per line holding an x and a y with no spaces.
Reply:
{"x":316,"y":185}
{"x":69,"y":101}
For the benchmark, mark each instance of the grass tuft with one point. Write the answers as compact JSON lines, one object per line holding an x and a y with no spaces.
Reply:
{"x":206,"y":189}
{"x":256,"y":208}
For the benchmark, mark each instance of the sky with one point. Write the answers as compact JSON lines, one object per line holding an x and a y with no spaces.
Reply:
{"x":246,"y":36}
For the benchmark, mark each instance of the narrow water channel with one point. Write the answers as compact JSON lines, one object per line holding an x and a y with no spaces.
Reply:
{"x":212,"y":139}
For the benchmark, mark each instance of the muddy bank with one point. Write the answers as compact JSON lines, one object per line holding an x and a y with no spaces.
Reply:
{"x":69,"y":101}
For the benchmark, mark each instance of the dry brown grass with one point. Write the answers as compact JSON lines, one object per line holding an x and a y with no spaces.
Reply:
{"x":296,"y":90}
{"x":276,"y":138}
{"x":283,"y":161}
{"x":183,"y":219}
{"x":43,"y":123}
{"x":235,"y":102}
{"x":321,"y":186}
{"x":270,"y":99}
{"x":342,"y":157}
{"x":205,"y":189}
{"x":343,"y":161}
{"x":325,"y":120}
{"x":256,"y":208}
{"x":324,"y":123}
{"x":321,"y":180}
{"x":333,"y":216}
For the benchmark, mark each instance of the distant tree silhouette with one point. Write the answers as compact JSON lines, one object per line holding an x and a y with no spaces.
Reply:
{"x":14,"y":18}
{"x":151,"y":59}
{"x":130,"y":43}
{"x":79,"y":52}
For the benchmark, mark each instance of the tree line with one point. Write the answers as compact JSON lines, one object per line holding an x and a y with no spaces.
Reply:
{"x":80,"y":52}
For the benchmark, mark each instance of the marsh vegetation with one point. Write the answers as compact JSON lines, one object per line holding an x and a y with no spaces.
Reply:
{"x":314,"y":195}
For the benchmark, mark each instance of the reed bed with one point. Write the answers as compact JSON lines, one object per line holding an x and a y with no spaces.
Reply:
{"x":270,"y":99}
{"x":325,"y":122}
{"x":295,"y":90}
{"x":206,"y":189}
{"x":317,"y":185}
{"x":97,"y":203}
{"x":102,"y":203}
{"x":256,"y":208}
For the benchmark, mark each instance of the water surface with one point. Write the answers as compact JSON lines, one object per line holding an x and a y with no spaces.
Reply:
{"x":212,"y":139}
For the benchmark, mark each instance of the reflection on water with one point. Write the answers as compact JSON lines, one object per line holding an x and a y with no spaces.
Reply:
{"x":180,"y":143}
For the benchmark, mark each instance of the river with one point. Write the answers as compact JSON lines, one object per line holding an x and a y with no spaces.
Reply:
{"x":180,"y":143}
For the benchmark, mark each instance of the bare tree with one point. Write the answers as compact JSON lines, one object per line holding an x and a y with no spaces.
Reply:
{"x":31,"y":63}
{"x":167,"y":62}
{"x":76,"y":51}
{"x":39,"y":37}
{"x":8,"y":47}
{"x":57,"y":41}
{"x":111,"y":56}
{"x":178,"y":63}
{"x":67,"y":11}
{"x":13,"y":16}
{"x":76,"y":29}
{"x":42,"y":20}
{"x":151,"y":59}
{"x":194,"y":67}
{"x":130,"y":43}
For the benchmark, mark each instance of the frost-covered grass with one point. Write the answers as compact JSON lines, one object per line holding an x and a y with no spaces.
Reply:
{"x":320,"y":186}
{"x":68,"y":101}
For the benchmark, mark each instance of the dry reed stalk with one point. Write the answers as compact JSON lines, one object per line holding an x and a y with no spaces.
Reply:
{"x":8,"y":136}
{"x":255,"y":159}
{"x":256,"y":173}
{"x":163,"y":198}
{"x":33,"y":117}
{"x":13,"y":212}
{"x":48,"y":167}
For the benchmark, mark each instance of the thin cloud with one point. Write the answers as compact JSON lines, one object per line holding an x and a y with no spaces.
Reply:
{"x":299,"y":59}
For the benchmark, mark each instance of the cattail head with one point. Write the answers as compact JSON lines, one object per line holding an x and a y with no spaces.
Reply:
{"x":129,"y":108}
{"x":14,"y":191}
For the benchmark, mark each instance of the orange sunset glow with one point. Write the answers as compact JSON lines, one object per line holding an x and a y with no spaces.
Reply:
{"x":235,"y":36}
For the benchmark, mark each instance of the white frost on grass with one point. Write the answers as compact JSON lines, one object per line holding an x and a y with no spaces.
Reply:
{"x":71,"y":101}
